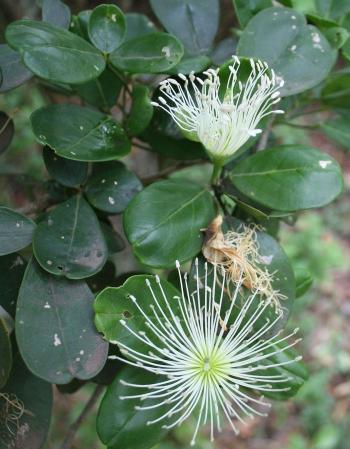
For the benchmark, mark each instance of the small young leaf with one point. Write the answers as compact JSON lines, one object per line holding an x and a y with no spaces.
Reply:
{"x":141,"y":112}
{"x":56,"y":12}
{"x":107,"y":27}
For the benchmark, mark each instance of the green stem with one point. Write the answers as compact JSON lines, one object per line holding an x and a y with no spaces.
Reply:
{"x":215,"y":177}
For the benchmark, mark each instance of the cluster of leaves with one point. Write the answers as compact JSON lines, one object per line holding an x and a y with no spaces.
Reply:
{"x":106,"y":65}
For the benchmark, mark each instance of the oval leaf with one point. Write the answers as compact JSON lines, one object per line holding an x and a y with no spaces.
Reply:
{"x":55,"y":330}
{"x":7,"y":130}
{"x":187,"y":19}
{"x":141,"y":112}
{"x":56,"y":13}
{"x":13,"y":71}
{"x":119,"y":425}
{"x":152,"y":53}
{"x":338,"y":130}
{"x":70,"y":242}
{"x":6,"y":353}
{"x":79,"y":133}
{"x":112,"y":187}
{"x":138,"y":25}
{"x":53,"y":53}
{"x":66,"y":172}
{"x":289,"y":178}
{"x":36,"y":397}
{"x":107,"y":27}
{"x":16,"y":231}
{"x":298,"y":52}
{"x":163,"y":222}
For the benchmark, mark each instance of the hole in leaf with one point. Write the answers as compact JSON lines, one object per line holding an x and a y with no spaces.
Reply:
{"x":127,"y":314}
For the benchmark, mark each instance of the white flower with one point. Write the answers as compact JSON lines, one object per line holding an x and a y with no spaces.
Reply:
{"x":222,"y":126}
{"x":206,"y":364}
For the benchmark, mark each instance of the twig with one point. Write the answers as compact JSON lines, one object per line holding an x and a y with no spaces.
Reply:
{"x":265,"y":135}
{"x":68,"y":441}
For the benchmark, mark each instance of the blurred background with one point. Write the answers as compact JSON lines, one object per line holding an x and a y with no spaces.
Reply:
{"x":319,"y":416}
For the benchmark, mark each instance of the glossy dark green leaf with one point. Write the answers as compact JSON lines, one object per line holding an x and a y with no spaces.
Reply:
{"x":101,"y":92}
{"x":152,"y":53}
{"x":7,"y":130}
{"x":138,"y":25}
{"x":112,"y":187}
{"x":298,"y":52}
{"x":332,"y":9}
{"x":141,"y":112}
{"x":119,"y":425}
{"x":12,"y":269}
{"x":53,"y":53}
{"x":78,"y":133}
{"x":224,"y":50}
{"x":16,"y":231}
{"x":289,"y":178}
{"x":66,"y":172}
{"x":55,"y":330}
{"x":336,"y":91}
{"x":69,"y":242}
{"x":187,"y":20}
{"x":6,"y":353}
{"x":190,"y":64}
{"x":245,"y":10}
{"x":303,"y":281}
{"x":35,"y":395}
{"x":114,"y":304}
{"x":338,"y":130}
{"x":107,"y":27}
{"x":13,"y":71}
{"x":163,"y":222}
{"x":56,"y":12}
{"x":79,"y":24}
{"x":336,"y":35}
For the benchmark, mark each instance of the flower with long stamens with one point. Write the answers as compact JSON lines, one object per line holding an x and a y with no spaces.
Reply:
{"x":222,"y":125}
{"x":210,"y":359}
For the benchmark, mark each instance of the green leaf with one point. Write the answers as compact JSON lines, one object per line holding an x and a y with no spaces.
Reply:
{"x":163,"y":222}
{"x":336,"y":35}
{"x":245,"y":10}
{"x":13,"y":72}
{"x":298,"y":52}
{"x":187,"y":20}
{"x":303,"y":281}
{"x":224,"y":51}
{"x":336,"y":91}
{"x":119,"y":425}
{"x":190,"y":64}
{"x":296,"y":371}
{"x":79,"y":133}
{"x":55,"y":330}
{"x":289,"y":178}
{"x":101,"y":92}
{"x":12,"y":269}
{"x":6,"y":353}
{"x":104,"y":278}
{"x":114,"y":304}
{"x":152,"y":53}
{"x":36,"y":397}
{"x":138,"y":25}
{"x":338,"y":130}
{"x":7,"y":130}
{"x":53,"y":53}
{"x":70,"y":242}
{"x":141,"y":112}
{"x":16,"y":231}
{"x":107,"y":27}
{"x":56,"y":13}
{"x":66,"y":172}
{"x":111,"y":187}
